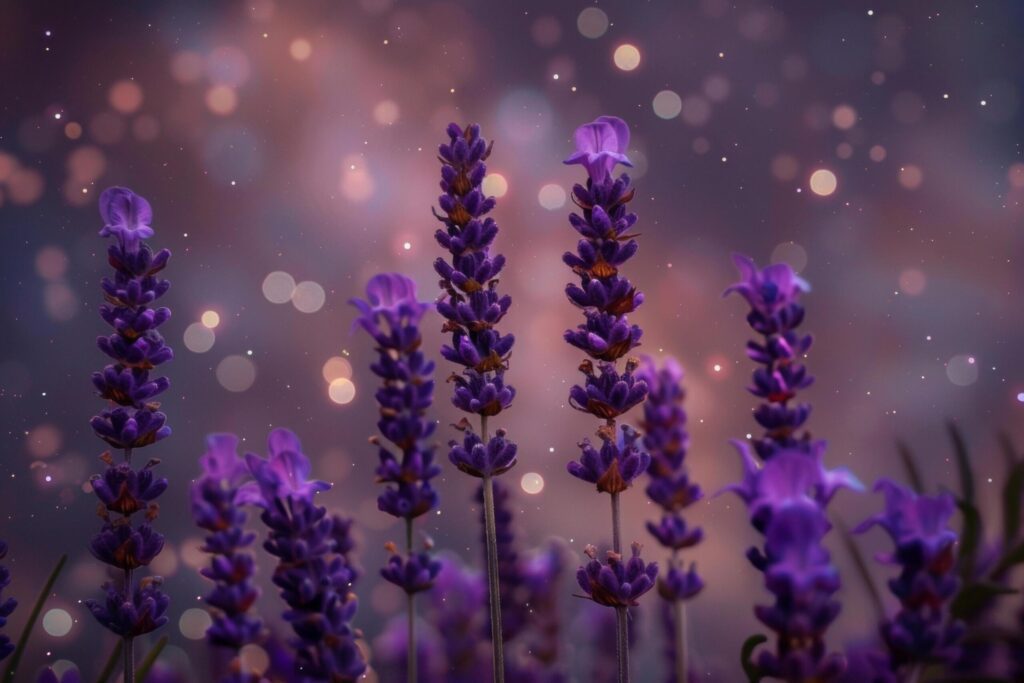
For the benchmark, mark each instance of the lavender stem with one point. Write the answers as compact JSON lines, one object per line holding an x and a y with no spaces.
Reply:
{"x":679,"y":610}
{"x":616,"y":525}
{"x":494,"y":594}
{"x":622,"y":643}
{"x":129,"y":646}
{"x":410,"y":655}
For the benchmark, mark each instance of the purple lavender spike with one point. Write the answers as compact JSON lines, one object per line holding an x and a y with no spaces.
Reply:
{"x":923,"y":630}
{"x":605,"y":297}
{"x":473,"y":308}
{"x":391,"y":315}
{"x":132,"y":419}
{"x":313,"y":577}
{"x":670,"y":488}
{"x":217,"y":499}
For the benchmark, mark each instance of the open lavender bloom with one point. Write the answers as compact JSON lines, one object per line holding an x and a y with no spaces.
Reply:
{"x":391,"y":315}
{"x":670,"y":486}
{"x":616,"y":465}
{"x":786,"y":500}
{"x":132,"y":419}
{"x":775,"y":313}
{"x":313,"y":577}
{"x":922,"y":631}
{"x":617,"y":583}
{"x":7,"y":606}
{"x":217,"y":499}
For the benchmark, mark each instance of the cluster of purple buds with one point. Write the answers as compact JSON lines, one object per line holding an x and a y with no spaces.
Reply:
{"x":775,"y":313}
{"x":413,"y":574}
{"x":616,"y":464}
{"x":391,"y":315}
{"x":132,"y":420}
{"x":7,"y":606}
{"x":670,"y":487}
{"x":470,"y":302}
{"x":786,"y":500}
{"x":313,"y":577}
{"x":923,"y":630}
{"x":616,"y":583}
{"x":217,"y":500}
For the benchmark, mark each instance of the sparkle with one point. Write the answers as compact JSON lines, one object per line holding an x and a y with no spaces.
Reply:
{"x":407,"y":245}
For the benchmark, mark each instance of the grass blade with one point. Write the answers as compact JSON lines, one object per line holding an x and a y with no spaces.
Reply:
{"x":150,"y":660}
{"x":910,"y":465}
{"x":963,"y":462}
{"x":747,"y":652}
{"x":112,"y":661}
{"x":33,"y":616}
{"x":862,"y":567}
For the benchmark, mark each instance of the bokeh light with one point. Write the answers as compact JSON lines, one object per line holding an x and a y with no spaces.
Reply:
{"x":552,"y":196}
{"x":962,"y":370}
{"x":592,"y":22}
{"x":199,"y":338}
{"x":823,"y":182}
{"x":912,"y":282}
{"x":210,"y":319}
{"x":532,"y":483}
{"x":341,"y":390}
{"x":57,"y":622}
{"x":336,"y":367}
{"x":308,"y":297}
{"x":278,"y":287}
{"x":236,"y":373}
{"x":194,"y":622}
{"x":43,"y":441}
{"x":911,"y":176}
{"x":221,"y":99}
{"x":791,"y":253}
{"x":125,"y":96}
{"x":626,"y":57}
{"x":844,"y":117}
{"x":300,"y":49}
{"x":667,"y":104}
{"x":495,"y":185}
{"x":386,"y":112}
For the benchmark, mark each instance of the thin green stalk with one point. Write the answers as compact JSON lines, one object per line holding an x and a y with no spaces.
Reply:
{"x":616,"y":525}
{"x":129,"y":645}
{"x":493,"y":587}
{"x":682,"y":644}
{"x":112,"y":660}
{"x":150,"y":659}
{"x":410,"y":655}
{"x":33,"y":616}
{"x":621,"y":616}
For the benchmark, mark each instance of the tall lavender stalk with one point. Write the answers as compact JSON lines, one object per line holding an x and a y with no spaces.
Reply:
{"x":671,"y":489}
{"x":606,"y":297}
{"x":787,"y":498}
{"x":313,"y":573}
{"x":7,"y":606}
{"x":922,"y":631}
{"x":217,"y":499}
{"x":472,"y":309}
{"x":391,"y":315}
{"x":131,"y":421}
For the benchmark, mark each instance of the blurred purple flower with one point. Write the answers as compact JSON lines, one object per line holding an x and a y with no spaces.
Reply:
{"x":391,"y":647}
{"x":458,"y":609}
{"x":6,"y":606}
{"x":391,"y":301}
{"x":922,"y":631}
{"x":313,"y":578}
{"x":616,"y":583}
{"x":600,"y":145}
{"x":48,"y":675}
{"x":775,"y":313}
{"x":217,"y":507}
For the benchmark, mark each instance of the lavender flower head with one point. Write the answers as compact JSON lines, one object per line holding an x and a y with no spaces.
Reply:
{"x":619,"y":582}
{"x":615,"y":465}
{"x":775,"y":313}
{"x":413,"y":574}
{"x":132,"y":419}
{"x":670,"y":487}
{"x":786,"y":500}
{"x":391,"y":315}
{"x":217,"y":499}
{"x":6,"y":606}
{"x":470,"y":302}
{"x":922,"y":630}
{"x":313,"y":576}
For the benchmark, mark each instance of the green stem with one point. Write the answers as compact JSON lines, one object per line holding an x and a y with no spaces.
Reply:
{"x":679,"y":608}
{"x":33,"y":616}
{"x":112,"y":660}
{"x":493,"y":589}
{"x":410,"y":655}
{"x":150,"y":659}
{"x":128,"y":650}
{"x":622,"y":643}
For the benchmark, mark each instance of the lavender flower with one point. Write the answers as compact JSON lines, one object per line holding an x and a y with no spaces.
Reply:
{"x":7,"y":606}
{"x":473,"y":309}
{"x":775,"y":313}
{"x":391,"y":653}
{"x":457,"y":610}
{"x":313,"y":578}
{"x":391,"y":315}
{"x":48,"y":675}
{"x":606,"y":297}
{"x":786,"y":500}
{"x":618,"y":583}
{"x":132,"y":419}
{"x":922,"y":631}
{"x":541,"y":577}
{"x":217,"y":499}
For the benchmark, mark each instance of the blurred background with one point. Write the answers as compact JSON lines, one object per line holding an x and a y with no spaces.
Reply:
{"x":288,"y":150}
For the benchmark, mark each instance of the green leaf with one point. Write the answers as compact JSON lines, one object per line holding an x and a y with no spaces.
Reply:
{"x":33,"y":616}
{"x":963,"y":462}
{"x":150,"y":660}
{"x":862,"y":567}
{"x":910,"y":465}
{"x":974,"y":597}
{"x":970,"y":538}
{"x":753,"y":671}
{"x":1013,"y":495}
